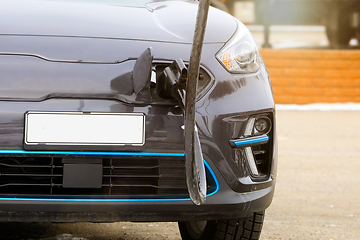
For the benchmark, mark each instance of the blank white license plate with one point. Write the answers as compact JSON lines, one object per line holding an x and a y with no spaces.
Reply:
{"x":78,"y":128}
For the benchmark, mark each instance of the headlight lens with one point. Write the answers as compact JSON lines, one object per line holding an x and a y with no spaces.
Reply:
{"x":240,"y":54}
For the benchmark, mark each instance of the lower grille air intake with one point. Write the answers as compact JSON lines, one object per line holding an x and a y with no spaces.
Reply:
{"x":121,"y":177}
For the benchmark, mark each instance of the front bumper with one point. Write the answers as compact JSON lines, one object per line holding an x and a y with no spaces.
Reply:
{"x":222,"y":204}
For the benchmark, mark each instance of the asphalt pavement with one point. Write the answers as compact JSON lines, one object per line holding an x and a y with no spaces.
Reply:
{"x":318,"y":187}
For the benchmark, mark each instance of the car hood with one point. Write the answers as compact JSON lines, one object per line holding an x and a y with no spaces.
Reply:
{"x":168,"y":21}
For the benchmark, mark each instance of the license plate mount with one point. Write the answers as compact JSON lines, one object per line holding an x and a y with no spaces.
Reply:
{"x":84,"y":129}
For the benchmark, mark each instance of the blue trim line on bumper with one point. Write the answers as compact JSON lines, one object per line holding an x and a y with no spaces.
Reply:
{"x":147,"y":154}
{"x":252,"y":141}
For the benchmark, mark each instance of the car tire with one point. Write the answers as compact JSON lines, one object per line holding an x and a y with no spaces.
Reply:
{"x":223,"y":229}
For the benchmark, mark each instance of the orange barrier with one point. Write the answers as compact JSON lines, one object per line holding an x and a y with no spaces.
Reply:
{"x":314,"y":76}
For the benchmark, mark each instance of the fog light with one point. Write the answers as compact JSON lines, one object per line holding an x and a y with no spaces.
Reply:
{"x":262,"y":125}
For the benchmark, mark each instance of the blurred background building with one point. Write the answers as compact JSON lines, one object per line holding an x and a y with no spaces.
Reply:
{"x":311,"y":47}
{"x":337,"y":20}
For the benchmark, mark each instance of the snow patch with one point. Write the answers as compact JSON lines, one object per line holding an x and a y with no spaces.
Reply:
{"x":320,"y":107}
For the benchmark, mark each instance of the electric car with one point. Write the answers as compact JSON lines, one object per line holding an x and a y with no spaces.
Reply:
{"x":91,"y":129}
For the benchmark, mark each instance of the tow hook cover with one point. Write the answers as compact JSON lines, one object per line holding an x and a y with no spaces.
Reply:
{"x":82,"y":175}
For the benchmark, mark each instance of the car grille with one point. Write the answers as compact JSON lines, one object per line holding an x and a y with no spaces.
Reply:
{"x":122,"y":177}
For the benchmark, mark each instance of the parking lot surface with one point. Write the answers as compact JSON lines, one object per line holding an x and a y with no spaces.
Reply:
{"x":318,"y":188}
{"x":317,"y":194}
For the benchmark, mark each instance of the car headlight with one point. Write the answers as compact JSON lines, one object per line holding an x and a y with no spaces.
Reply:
{"x":240,"y":54}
